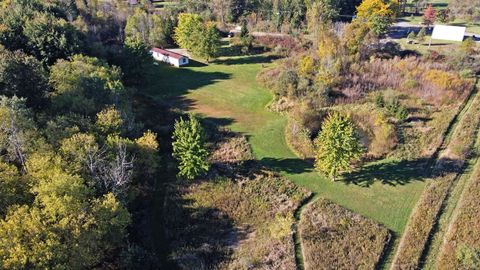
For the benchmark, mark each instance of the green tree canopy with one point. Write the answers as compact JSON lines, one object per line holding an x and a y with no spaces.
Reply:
{"x":209,"y":42}
{"x":188,"y":30}
{"x":202,"y":39}
{"x":38,"y":29}
{"x":189,"y":148}
{"x":23,"y":76}
{"x":83,"y":84}
{"x":337,"y":145}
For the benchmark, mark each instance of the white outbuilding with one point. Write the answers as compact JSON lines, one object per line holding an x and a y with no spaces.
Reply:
{"x":169,"y":57}
{"x":449,"y":32}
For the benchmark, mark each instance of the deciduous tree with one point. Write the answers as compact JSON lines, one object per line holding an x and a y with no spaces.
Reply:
{"x":429,"y":15}
{"x":83,"y":84}
{"x":378,"y":14}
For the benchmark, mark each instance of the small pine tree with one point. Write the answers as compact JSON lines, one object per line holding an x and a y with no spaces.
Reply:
{"x":337,"y":145}
{"x":189,"y":148}
{"x":411,"y":36}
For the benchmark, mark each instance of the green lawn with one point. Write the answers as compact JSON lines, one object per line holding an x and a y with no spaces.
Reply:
{"x":228,"y":93}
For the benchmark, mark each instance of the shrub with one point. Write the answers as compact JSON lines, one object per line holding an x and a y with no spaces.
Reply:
{"x":299,"y":140}
{"x":232,"y":150}
{"x":379,"y":101}
{"x":336,"y":238}
{"x":432,"y":82}
{"x":286,"y":84}
{"x":377,"y":134}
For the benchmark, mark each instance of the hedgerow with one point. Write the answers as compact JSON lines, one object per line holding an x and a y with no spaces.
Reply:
{"x":335,"y":238}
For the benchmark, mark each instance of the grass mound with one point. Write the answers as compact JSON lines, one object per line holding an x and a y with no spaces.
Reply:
{"x":234,"y":224}
{"x":336,"y":238}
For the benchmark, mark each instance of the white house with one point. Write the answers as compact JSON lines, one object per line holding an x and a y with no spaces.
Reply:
{"x":169,"y":57}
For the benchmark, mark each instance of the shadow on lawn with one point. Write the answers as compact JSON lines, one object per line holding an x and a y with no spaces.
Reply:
{"x":398,"y":172}
{"x":170,"y":84}
{"x":255,"y":59}
{"x":288,"y":165}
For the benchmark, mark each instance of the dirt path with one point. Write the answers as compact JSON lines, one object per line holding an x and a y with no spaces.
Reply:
{"x":297,"y":238}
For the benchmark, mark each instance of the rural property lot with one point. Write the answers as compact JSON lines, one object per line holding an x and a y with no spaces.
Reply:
{"x":227,"y":92}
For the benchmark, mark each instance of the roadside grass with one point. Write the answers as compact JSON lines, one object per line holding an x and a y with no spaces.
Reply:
{"x":424,"y":48}
{"x":336,"y":238}
{"x":227,"y":93}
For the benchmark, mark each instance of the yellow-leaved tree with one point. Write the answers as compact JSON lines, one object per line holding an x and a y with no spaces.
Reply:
{"x":378,"y":13}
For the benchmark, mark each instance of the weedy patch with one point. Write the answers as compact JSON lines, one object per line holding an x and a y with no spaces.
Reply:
{"x":336,"y":238}
{"x":462,"y":242}
{"x":235,"y":224}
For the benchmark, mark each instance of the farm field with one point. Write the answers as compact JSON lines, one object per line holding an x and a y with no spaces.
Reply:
{"x":227,"y":92}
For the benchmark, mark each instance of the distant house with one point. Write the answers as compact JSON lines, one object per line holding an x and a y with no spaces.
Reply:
{"x":169,"y":57}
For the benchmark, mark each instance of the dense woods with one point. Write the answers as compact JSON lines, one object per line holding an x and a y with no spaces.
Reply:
{"x":75,"y":161}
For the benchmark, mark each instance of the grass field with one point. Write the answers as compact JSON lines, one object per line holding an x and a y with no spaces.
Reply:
{"x":227,"y":92}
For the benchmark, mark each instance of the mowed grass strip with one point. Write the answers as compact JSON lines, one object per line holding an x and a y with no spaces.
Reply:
{"x":335,"y":238}
{"x":227,"y":92}
{"x":433,"y":199}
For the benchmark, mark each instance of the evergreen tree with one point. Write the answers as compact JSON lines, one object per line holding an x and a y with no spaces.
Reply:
{"x":421,"y":35}
{"x":189,"y":148}
{"x":337,"y":145}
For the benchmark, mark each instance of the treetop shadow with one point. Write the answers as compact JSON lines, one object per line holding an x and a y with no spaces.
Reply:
{"x":255,"y":59}
{"x":396,"y":173}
